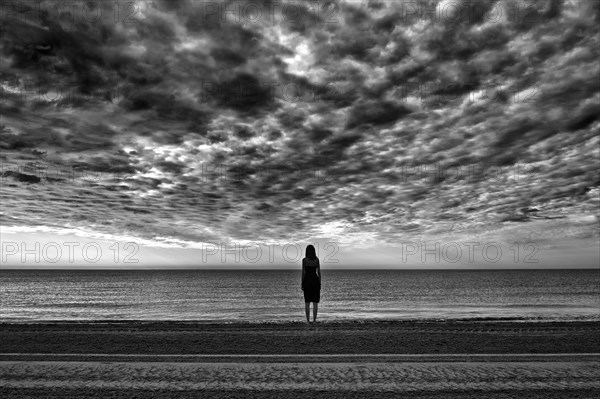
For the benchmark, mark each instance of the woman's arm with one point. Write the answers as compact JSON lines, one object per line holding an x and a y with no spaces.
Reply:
{"x":319,"y":271}
{"x":303,"y":274}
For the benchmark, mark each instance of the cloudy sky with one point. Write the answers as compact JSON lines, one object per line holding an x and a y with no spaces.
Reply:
{"x":371,"y":128}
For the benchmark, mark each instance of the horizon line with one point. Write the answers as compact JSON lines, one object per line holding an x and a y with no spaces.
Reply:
{"x":291,"y":269}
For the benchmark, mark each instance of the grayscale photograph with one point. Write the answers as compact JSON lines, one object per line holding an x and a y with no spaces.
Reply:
{"x":297,"y":199}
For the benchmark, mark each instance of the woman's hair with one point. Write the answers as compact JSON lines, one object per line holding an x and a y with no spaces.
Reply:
{"x":310,"y":252}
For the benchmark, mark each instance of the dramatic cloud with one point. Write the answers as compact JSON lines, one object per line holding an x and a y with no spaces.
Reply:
{"x":364,"y":122}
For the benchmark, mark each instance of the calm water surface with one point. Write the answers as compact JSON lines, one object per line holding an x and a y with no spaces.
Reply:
{"x":236,"y":295}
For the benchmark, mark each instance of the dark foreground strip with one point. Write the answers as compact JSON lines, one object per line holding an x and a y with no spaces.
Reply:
{"x":66,"y":393}
{"x":303,"y":358}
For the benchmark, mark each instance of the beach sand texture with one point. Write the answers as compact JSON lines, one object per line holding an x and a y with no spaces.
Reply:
{"x":449,"y":359}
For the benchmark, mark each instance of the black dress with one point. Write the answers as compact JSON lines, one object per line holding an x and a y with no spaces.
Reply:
{"x":311,"y":282}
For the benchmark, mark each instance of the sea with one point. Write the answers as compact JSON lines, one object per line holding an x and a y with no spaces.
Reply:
{"x":275,"y":295}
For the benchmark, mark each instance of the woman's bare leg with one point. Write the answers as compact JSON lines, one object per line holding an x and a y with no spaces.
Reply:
{"x":307,"y":308}
{"x":315,"y":310}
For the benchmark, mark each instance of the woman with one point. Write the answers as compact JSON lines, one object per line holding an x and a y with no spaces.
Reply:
{"x":311,"y":282}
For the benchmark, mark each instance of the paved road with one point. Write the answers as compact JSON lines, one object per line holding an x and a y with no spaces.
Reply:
{"x":449,"y":372}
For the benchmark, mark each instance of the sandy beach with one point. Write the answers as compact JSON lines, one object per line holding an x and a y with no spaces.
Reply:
{"x":503,"y":359}
{"x":364,"y":337}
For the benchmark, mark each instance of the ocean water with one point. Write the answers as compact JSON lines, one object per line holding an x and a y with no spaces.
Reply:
{"x":257,"y":296}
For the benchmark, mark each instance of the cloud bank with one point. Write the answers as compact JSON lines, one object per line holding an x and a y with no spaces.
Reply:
{"x":364,"y":122}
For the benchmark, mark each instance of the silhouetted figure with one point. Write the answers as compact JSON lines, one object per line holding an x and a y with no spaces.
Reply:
{"x":311,"y":282}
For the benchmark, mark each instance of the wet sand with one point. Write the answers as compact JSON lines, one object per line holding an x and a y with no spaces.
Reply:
{"x":330,"y":360}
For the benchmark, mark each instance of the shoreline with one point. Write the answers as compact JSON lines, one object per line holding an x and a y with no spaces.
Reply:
{"x":391,"y":337}
{"x":374,"y":321}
